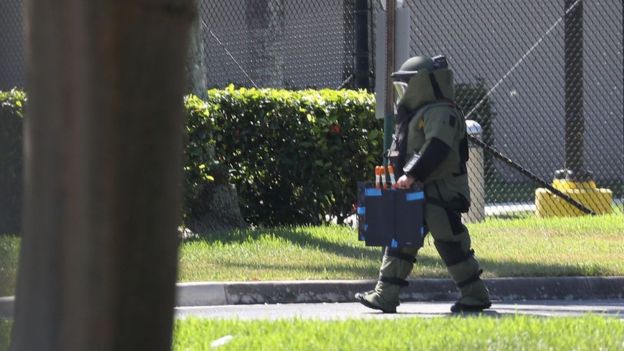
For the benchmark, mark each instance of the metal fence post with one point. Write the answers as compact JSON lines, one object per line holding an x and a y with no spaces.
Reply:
{"x":476,"y":175}
{"x":389,"y":103}
{"x":362,"y":44}
{"x":574,"y":119}
{"x":574,"y":180}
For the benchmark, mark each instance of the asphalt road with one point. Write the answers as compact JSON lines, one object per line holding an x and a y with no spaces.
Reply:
{"x":332,"y":311}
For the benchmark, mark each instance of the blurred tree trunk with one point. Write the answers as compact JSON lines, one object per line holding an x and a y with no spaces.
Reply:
{"x":103,"y":147}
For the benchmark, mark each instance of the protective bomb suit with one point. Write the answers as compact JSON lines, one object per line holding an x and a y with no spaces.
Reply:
{"x":430,"y":148}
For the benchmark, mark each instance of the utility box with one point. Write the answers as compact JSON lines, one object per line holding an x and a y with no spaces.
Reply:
{"x":476,"y":176}
{"x":390,"y":217}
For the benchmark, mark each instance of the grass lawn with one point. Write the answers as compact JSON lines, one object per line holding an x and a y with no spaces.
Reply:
{"x":453,"y":333}
{"x":5,"y":334}
{"x":9,"y":251}
{"x":590,"y":246}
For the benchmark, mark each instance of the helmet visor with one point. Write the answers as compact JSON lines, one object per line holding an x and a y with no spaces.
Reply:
{"x":399,"y":91}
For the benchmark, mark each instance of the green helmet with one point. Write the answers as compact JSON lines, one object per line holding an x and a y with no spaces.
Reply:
{"x":432,"y":80}
{"x":412,"y":66}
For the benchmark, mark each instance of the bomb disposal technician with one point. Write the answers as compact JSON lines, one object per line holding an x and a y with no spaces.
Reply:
{"x":430,"y":149}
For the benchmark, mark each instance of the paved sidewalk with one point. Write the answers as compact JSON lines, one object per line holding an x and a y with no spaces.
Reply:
{"x":351,"y":310}
{"x":419,"y":290}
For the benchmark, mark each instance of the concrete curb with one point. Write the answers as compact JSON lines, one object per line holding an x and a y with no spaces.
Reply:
{"x":311,"y":291}
{"x":235,"y":293}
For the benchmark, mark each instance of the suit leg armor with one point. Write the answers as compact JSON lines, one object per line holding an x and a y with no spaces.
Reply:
{"x":452,"y":240}
{"x":396,"y":266}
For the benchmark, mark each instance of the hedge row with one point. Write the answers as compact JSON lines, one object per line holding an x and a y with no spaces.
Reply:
{"x":294,"y":156}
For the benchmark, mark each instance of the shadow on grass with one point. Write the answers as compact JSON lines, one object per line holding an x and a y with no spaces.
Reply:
{"x":323,"y":270}
{"x":294,"y":237}
{"x":320,"y":270}
{"x":510,"y":268}
{"x":302,"y":238}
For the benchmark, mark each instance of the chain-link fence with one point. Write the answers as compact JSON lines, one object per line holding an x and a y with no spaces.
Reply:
{"x":277,"y":43}
{"x":544,"y":79}
{"x":11,"y":45}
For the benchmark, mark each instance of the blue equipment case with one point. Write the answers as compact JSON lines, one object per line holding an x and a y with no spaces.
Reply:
{"x":390,"y":217}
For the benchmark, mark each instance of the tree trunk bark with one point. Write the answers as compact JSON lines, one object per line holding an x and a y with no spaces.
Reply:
{"x":197,"y":71}
{"x":265,"y":29}
{"x":103,"y":147}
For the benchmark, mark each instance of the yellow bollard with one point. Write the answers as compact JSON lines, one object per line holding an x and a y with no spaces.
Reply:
{"x":549,"y":205}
